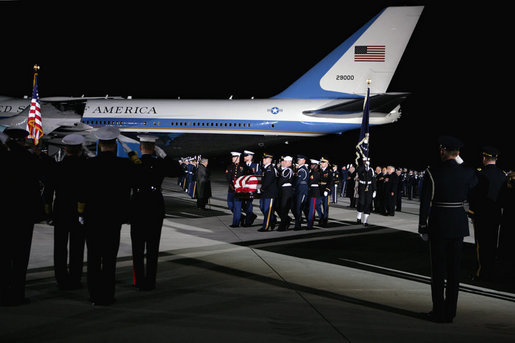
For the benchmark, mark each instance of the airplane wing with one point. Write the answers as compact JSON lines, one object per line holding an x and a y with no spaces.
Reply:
{"x":382,"y":103}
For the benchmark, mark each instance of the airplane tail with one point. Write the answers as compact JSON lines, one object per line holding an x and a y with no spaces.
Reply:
{"x":371,"y":53}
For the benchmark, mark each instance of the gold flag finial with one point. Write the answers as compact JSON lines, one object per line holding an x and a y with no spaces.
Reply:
{"x":369,"y":82}
{"x":36,"y":68}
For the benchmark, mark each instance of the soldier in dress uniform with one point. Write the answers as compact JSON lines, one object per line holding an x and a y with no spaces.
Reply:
{"x":444,"y":223}
{"x":326,"y":185}
{"x":301,"y":190}
{"x":366,"y":191}
{"x":105,"y":204}
{"x":22,"y":204}
{"x":286,"y":192}
{"x":192,"y":177}
{"x":69,"y":234}
{"x":336,"y":184}
{"x":314,"y":196}
{"x":254,"y":169}
{"x":269,"y":193}
{"x":234,"y":171}
{"x":147,"y":210}
{"x":487,"y":212}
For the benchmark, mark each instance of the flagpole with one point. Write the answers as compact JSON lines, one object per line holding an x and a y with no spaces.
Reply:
{"x":362,"y":147}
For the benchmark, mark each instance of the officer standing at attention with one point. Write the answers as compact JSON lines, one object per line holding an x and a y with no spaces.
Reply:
{"x":254,"y":169}
{"x":487,"y":212}
{"x":444,"y":223}
{"x":269,"y":193}
{"x":366,"y":191}
{"x":234,"y":171}
{"x":286,"y":192}
{"x":69,"y":234}
{"x":326,"y":184}
{"x":105,"y":205}
{"x":21,"y":202}
{"x":147,"y":210}
{"x":336,"y":183}
{"x":301,"y":190}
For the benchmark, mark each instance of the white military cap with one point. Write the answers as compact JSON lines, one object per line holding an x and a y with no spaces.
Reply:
{"x":73,"y":139}
{"x":147,"y":138}
{"x":314,"y":161}
{"x":234,"y":154}
{"x":288,"y":158}
{"x":246,"y":152}
{"x":107,"y":133}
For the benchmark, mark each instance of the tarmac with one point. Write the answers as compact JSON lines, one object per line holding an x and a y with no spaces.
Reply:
{"x":344,"y":283}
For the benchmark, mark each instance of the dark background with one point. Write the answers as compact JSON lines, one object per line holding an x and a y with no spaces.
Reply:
{"x":457,"y":64}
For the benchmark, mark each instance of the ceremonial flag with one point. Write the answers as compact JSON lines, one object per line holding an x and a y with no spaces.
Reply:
{"x":362,"y":147}
{"x":34,"y":122}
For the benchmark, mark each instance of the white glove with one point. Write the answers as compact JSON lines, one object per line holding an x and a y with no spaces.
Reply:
{"x":374,"y":195}
{"x":459,"y":159}
{"x":160,"y":152}
{"x":424,"y":236}
{"x":326,"y":194}
{"x":81,"y":220}
{"x":125,"y":146}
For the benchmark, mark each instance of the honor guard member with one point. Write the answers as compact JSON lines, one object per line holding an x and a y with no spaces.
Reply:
{"x":286,"y":192}
{"x":184,"y":167}
{"x":22,"y":206}
{"x":301,"y":190}
{"x":487,"y":212}
{"x":69,"y":234}
{"x":366,"y":191}
{"x":254,"y":169}
{"x":326,"y":184}
{"x":269,"y":193}
{"x":192,"y":170}
{"x":234,"y":171}
{"x":105,"y":204}
{"x":444,"y":222}
{"x":336,"y":184}
{"x":314,"y":195}
{"x":148,"y":210}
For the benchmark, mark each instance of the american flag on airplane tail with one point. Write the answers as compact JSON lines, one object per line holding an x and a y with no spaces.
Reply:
{"x":34,"y":122}
{"x":369,"y":53}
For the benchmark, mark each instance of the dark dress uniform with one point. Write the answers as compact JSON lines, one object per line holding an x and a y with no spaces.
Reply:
{"x":336,"y":185}
{"x":301,"y":194}
{"x":286,"y":193}
{"x":326,"y":185}
{"x":106,"y":202}
{"x":487,"y":218}
{"x":146,"y":217}
{"x":269,"y":193}
{"x":351,"y":183}
{"x":22,"y":204}
{"x":250,"y":216}
{"x":234,"y":171}
{"x":203,"y":186}
{"x":366,"y":188}
{"x":69,"y":234}
{"x":443,"y":219}
{"x":314,"y":197}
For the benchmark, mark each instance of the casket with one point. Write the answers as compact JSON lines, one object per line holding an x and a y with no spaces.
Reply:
{"x":246,"y":187}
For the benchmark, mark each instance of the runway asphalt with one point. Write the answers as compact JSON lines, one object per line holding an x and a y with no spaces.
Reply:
{"x":343,"y":283}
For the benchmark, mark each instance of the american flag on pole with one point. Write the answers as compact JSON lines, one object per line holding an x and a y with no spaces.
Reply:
{"x":34,"y":122}
{"x":369,"y":53}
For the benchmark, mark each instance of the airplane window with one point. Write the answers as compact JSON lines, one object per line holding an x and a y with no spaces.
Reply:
{"x":273,"y":125}
{"x":158,"y":123}
{"x":145,"y":123}
{"x":239,"y":124}
{"x":193,"y":124}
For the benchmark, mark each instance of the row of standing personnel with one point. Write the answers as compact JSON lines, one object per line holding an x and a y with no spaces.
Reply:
{"x":117,"y":191}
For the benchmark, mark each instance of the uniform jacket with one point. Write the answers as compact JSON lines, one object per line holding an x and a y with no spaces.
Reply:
{"x":314,"y":184}
{"x":233,"y":172}
{"x":485,"y":196}
{"x":326,"y":180}
{"x":269,"y":182}
{"x":443,"y":189}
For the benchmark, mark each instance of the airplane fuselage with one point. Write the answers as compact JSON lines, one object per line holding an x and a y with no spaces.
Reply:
{"x":243,"y":117}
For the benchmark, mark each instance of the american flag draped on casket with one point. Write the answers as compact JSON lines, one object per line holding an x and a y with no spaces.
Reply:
{"x":246,"y":186}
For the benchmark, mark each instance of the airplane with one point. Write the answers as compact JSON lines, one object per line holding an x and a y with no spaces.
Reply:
{"x":328,"y":99}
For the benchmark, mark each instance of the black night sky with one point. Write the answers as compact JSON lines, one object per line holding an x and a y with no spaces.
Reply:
{"x":456,"y":66}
